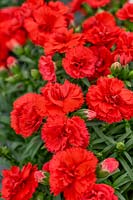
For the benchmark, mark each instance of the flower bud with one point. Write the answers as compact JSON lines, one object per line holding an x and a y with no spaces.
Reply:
{"x":110,"y":165}
{"x":39,"y":176}
{"x":86,"y":114}
{"x":35,"y":73}
{"x":107,"y":167}
{"x":11,"y":61}
{"x":120,"y":146}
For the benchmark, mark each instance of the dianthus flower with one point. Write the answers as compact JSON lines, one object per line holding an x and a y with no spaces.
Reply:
{"x":101,"y":30}
{"x":63,"y":40}
{"x":47,"y":68}
{"x":126,"y":12}
{"x":62,"y":98}
{"x":43,"y":24}
{"x":103,"y":61}
{"x":100,"y":192}
{"x":25,"y":117}
{"x":12,"y":33}
{"x":124,"y":48}
{"x":79,"y":62}
{"x":19,"y":184}
{"x":60,"y":133}
{"x":72,"y":172}
{"x":110,"y":100}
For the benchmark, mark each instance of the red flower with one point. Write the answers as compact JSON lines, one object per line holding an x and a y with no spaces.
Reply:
{"x":72,"y":172}
{"x":126,"y":12}
{"x":61,"y":132}
{"x":110,"y":165}
{"x":103,"y":61}
{"x":110,"y":100}
{"x":47,"y":68}
{"x":18,"y":184}
{"x":124,"y":48}
{"x":63,"y":98}
{"x":43,"y":24}
{"x":62,"y":9}
{"x":25,"y":117}
{"x":79,"y":62}
{"x":63,"y":40}
{"x":97,"y":3}
{"x":101,"y":30}
{"x":100,"y":192}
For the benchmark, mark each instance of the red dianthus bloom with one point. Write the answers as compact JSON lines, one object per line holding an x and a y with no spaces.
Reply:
{"x":60,"y":133}
{"x":63,"y":40}
{"x":126,"y":12}
{"x":124,"y":48}
{"x":43,"y":24}
{"x":62,"y":98}
{"x":101,"y":30}
{"x":47,"y":68}
{"x":100,"y":192}
{"x":25,"y":117}
{"x":19,"y":184}
{"x":79,"y":62}
{"x":103,"y":61}
{"x":72,"y":172}
{"x":110,"y":100}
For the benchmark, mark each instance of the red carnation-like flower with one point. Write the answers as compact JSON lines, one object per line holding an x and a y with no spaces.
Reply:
{"x":43,"y":24}
{"x":63,"y":40}
{"x":72,"y":172}
{"x":100,"y":192}
{"x":25,"y":117}
{"x":79,"y":62}
{"x":126,"y":12}
{"x":124,"y":48}
{"x":97,"y":3}
{"x":60,"y":133}
{"x":110,"y":100}
{"x":62,"y":9}
{"x":47,"y":68}
{"x":103,"y":61}
{"x":19,"y":184}
{"x":62,"y":98}
{"x":101,"y":30}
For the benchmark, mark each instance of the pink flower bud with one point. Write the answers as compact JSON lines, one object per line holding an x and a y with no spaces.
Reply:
{"x":39,"y":176}
{"x":90,"y":114}
{"x":110,"y":165}
{"x":11,"y":61}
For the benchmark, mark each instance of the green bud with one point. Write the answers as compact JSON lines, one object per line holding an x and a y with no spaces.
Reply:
{"x":101,"y":173}
{"x":120,"y":146}
{"x":35,"y":73}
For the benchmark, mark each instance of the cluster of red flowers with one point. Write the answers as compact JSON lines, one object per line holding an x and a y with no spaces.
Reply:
{"x":88,"y":54}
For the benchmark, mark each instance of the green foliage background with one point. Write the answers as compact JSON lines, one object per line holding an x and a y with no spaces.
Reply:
{"x":114,"y":140}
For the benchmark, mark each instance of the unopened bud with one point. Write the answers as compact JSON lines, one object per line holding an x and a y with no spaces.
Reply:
{"x":11,"y":62}
{"x":35,"y":73}
{"x":86,"y":114}
{"x":131,"y":74}
{"x":116,"y":65}
{"x":39,"y":176}
{"x":120,"y":146}
{"x":110,"y":165}
{"x":107,"y":167}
